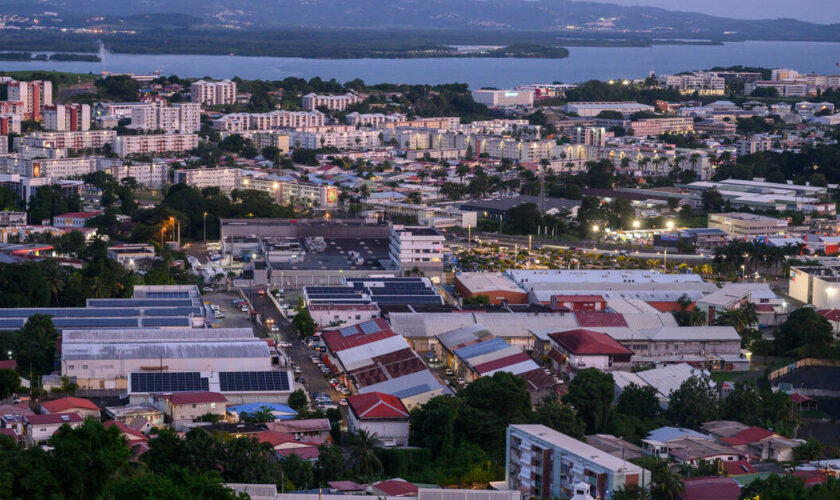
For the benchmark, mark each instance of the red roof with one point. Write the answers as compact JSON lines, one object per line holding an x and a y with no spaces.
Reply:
{"x":669,"y":306}
{"x":54,"y":418}
{"x":68,"y":403}
{"x":377,"y":405}
{"x":711,"y":488}
{"x":738,"y":468}
{"x":185,"y":398}
{"x":537,"y":379}
{"x":801,"y":398}
{"x":754,"y":434}
{"x":582,"y":341}
{"x":274,"y":438}
{"x":304,"y":452}
{"x":578,"y":298}
{"x":498,"y":364}
{"x":8,"y":364}
{"x":338,"y":341}
{"x":764,"y":308}
{"x":810,"y":477}
{"x":136,"y":435}
{"x":589,"y":319}
{"x":345,"y":485}
{"x":78,"y":215}
{"x":396,"y":488}
{"x":830,"y":314}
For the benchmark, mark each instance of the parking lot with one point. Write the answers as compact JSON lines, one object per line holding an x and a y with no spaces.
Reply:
{"x":232,"y":315}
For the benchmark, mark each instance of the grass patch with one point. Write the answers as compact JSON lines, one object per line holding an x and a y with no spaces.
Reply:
{"x":719,"y":377}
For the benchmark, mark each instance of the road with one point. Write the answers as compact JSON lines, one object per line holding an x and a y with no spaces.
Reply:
{"x":299,"y":352}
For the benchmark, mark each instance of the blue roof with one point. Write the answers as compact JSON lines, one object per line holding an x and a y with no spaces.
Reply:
{"x":285,"y":412}
{"x":488,"y":346}
{"x":665,"y":434}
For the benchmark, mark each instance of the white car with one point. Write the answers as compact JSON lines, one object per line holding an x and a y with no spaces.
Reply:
{"x":275,"y":328}
{"x":285,"y":344}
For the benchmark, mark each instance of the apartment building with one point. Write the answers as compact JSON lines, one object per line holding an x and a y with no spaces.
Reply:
{"x":181,"y":118}
{"x":264,"y":140}
{"x":117,"y":110}
{"x":544,"y":463}
{"x":514,"y":149}
{"x":592,"y":109}
{"x":243,"y":122}
{"x":154,"y":144}
{"x":4,"y":144}
{"x":414,"y":246}
{"x":151,"y":175}
{"x":320,"y":195}
{"x":67,"y":117}
{"x":213,"y":93}
{"x":441,"y":122}
{"x":700,"y":82}
{"x":747,"y":226}
{"x":341,"y":139}
{"x":372,"y":119}
{"x":658,"y":126}
{"x":314,"y":101}
{"x":69,"y":140}
{"x":754,"y":144}
{"x":34,"y":96}
{"x":226,"y":179}
{"x":12,"y":108}
{"x":57,"y":168}
{"x":590,"y":136}
{"x":784,"y":88}
{"x":503,"y":98}
{"x":9,"y":124}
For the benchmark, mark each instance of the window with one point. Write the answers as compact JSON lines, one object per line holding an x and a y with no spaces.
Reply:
{"x":212,"y":405}
{"x":193,"y":406}
{"x":84,"y":367}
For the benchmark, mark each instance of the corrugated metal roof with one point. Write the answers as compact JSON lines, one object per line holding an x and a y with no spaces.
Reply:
{"x":166,"y":350}
{"x":472,"y":351}
{"x":155,"y":335}
{"x":357,"y":357}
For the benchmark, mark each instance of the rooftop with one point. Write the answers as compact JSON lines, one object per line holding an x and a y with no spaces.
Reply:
{"x":588,"y":342}
{"x":377,"y":405}
{"x":68,"y":403}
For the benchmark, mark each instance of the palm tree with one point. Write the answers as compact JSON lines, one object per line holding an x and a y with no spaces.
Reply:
{"x":363,"y":454}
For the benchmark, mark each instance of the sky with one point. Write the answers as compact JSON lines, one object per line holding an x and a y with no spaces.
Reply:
{"x":816,"y":11}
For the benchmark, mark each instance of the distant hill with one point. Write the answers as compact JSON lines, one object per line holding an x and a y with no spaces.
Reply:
{"x":565,"y":17}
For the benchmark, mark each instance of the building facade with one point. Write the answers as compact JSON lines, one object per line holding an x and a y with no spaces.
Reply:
{"x":67,"y":117}
{"x":313,"y":101}
{"x":213,"y":93}
{"x":34,"y":95}
{"x":154,"y":144}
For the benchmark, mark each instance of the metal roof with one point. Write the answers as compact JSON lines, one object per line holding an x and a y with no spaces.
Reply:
{"x":164,"y":350}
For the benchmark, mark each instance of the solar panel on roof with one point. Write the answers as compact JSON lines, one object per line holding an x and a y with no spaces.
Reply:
{"x":138,"y":302}
{"x":95,"y":322}
{"x":370,"y":327}
{"x":164,"y":321}
{"x":253,"y":381}
{"x":168,"y":382}
{"x":348,"y":330}
{"x":168,"y":295}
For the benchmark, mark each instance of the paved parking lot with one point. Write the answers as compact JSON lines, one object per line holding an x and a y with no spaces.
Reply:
{"x":234,"y":318}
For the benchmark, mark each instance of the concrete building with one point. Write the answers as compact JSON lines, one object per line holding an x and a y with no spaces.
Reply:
{"x":264,"y":140}
{"x":226,"y":179}
{"x":9,"y":124}
{"x":38,"y":429}
{"x":698,"y":82}
{"x":326,"y":315}
{"x":314,"y":101}
{"x":591,"y":109}
{"x":416,"y":247}
{"x":754,"y":144}
{"x":182,"y":118}
{"x":12,"y":108}
{"x":544,"y":463}
{"x":150,"y":175}
{"x":213,"y":93}
{"x":658,"y":126}
{"x":816,"y":285}
{"x":132,"y":255}
{"x":792,"y":88}
{"x":340,"y":138}
{"x":496,"y":286}
{"x":380,"y":414}
{"x":425,"y":215}
{"x":74,"y":220}
{"x":747,"y":226}
{"x":34,"y":95}
{"x":318,"y":195}
{"x":278,"y":119}
{"x":57,"y":168}
{"x":67,"y":117}
{"x":573,"y":350}
{"x":88,"y":139}
{"x":372,"y":119}
{"x":182,"y":408}
{"x":503,"y":98}
{"x":154,"y":144}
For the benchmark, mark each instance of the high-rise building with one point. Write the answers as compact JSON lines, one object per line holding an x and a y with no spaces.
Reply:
{"x":154,"y":144}
{"x":179,"y":118}
{"x":67,"y":117}
{"x":34,"y":96}
{"x":9,"y":124}
{"x":213,"y":93}
{"x":332,"y":102}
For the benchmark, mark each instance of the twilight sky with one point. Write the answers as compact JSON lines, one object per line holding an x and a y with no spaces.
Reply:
{"x":816,"y":11}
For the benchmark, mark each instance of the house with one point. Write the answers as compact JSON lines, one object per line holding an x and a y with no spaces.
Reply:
{"x":40,"y":428}
{"x":132,"y":436}
{"x":308,"y":429}
{"x":396,"y":487}
{"x":762,"y":443}
{"x":686,"y":446}
{"x":74,"y":220}
{"x":380,"y":414}
{"x":710,"y":488}
{"x":80,"y":406}
{"x":286,"y":444}
{"x":12,"y":418}
{"x":573,"y":350}
{"x":347,"y":488}
{"x":279,"y":411}
{"x":182,"y":408}
{"x":129,"y":413}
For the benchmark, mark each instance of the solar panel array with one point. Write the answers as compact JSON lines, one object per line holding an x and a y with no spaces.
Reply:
{"x":168,"y":382}
{"x":176,"y":321}
{"x":386,"y":291}
{"x":253,"y":381}
{"x":168,"y":295}
{"x":139,"y":302}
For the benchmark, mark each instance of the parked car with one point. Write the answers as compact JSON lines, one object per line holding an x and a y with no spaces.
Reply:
{"x":449,"y":372}
{"x":275,"y":328}
{"x":342,"y":402}
{"x":285,"y":344}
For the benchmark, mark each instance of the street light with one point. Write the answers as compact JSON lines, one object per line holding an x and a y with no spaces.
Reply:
{"x":595,"y":228}
{"x":205,"y":229}
{"x":669,"y":224}
{"x":636,"y":224}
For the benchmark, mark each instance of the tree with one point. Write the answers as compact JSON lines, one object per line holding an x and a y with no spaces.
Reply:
{"x":9,"y":383}
{"x":712,"y":200}
{"x":551,"y":412}
{"x":330,"y":465}
{"x":591,"y":393}
{"x":808,"y":451}
{"x":86,"y":458}
{"x":262,"y":415}
{"x":304,"y":323}
{"x":414,"y":197}
{"x":362,"y":454}
{"x":298,"y":471}
{"x":639,"y":401}
{"x":666,"y":485}
{"x":695,"y":402}
{"x":804,"y":331}
{"x":524,"y":218}
{"x":297,"y":400}
{"x":35,"y":346}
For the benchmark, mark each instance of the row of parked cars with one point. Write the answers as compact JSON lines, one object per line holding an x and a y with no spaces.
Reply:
{"x":242,"y":304}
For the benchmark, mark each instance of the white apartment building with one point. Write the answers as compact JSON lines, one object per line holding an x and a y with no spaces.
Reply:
{"x":69,"y":140}
{"x":747,"y":226}
{"x":181,"y":118}
{"x":151,"y":175}
{"x":67,"y":117}
{"x":441,"y":122}
{"x":118,"y":110}
{"x":34,"y":96}
{"x":226,"y":179}
{"x":415,"y":246}
{"x":341,"y":139}
{"x":700,"y":82}
{"x":590,"y":136}
{"x":320,"y":195}
{"x":314,"y":101}
{"x":591,"y":109}
{"x":754,"y":144}
{"x":503,"y":98}
{"x":213,"y":93}
{"x":243,"y":122}
{"x":263,"y":140}
{"x":514,"y":149}
{"x":12,"y":108}
{"x":9,"y":124}
{"x":372,"y":119}
{"x":785,"y":88}
{"x":153,"y":144}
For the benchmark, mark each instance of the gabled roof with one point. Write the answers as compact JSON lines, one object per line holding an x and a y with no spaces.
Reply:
{"x":377,"y":405}
{"x":68,"y":403}
{"x":588,"y":342}
{"x":754,"y":434}
{"x":54,"y":418}
{"x":711,"y":488}
{"x":274,"y":438}
{"x":396,"y":488}
{"x":134,"y":434}
{"x":184,"y":398}
{"x":738,"y":468}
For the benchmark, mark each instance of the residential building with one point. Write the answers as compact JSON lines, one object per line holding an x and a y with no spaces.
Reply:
{"x":790,"y":88}
{"x":503,"y":98}
{"x":698,"y":82}
{"x":590,"y":136}
{"x":754,"y":144}
{"x":74,"y":220}
{"x":80,"y":406}
{"x":759,"y":442}
{"x":278,"y":119}
{"x":153,"y":144}
{"x":544,"y":463}
{"x":592,"y":109}
{"x":342,"y":314}
{"x":88,"y":139}
{"x":314,"y":101}
{"x":151,"y":175}
{"x":213,"y":93}
{"x":746,"y":225}
{"x":416,"y":247}
{"x":9,"y":124}
{"x":341,"y":138}
{"x":816,"y":285}
{"x":181,"y":408}
{"x":319,"y":195}
{"x":34,"y":95}
{"x":38,"y":429}
{"x":57,"y":168}
{"x":225,"y":178}
{"x":182,"y":118}
{"x":394,"y":488}
{"x":128,"y":414}
{"x":307,"y":429}
{"x":12,"y":108}
{"x":380,"y":414}
{"x":264,"y":140}
{"x":132,"y":255}
{"x":372,"y":119}
{"x":658,"y":126}
{"x":285,"y":445}
{"x":574,"y":350}
{"x":67,"y":117}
